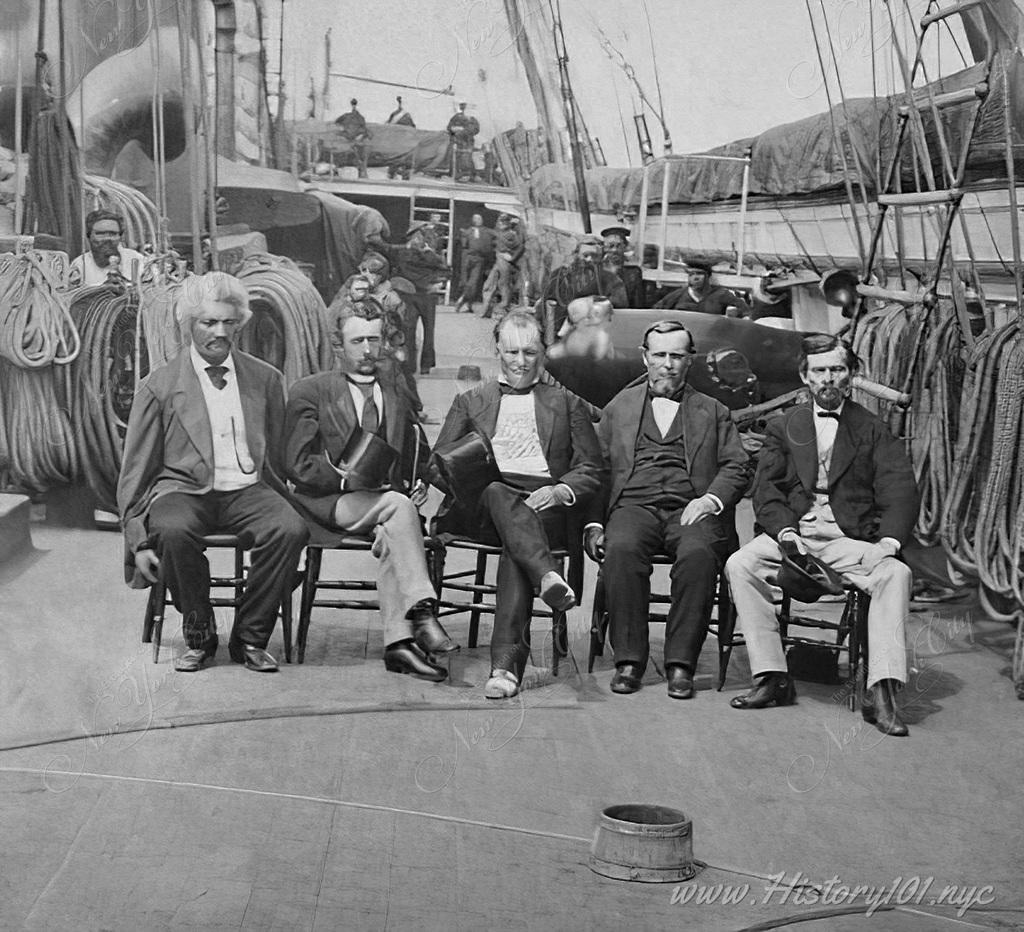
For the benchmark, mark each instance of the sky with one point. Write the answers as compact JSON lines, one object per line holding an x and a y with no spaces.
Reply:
{"x":728,"y":68}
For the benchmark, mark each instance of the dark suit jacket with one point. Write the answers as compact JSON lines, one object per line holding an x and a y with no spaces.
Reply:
{"x":169,"y":444}
{"x":870,"y":480}
{"x":320,"y":418}
{"x":566,"y":433}
{"x":714,"y":453}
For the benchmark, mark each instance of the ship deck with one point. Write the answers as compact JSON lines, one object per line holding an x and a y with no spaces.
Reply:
{"x":334,"y":795}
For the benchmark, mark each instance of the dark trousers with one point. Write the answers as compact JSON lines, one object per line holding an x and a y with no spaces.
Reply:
{"x":633,"y":535}
{"x":474,"y":264}
{"x":526,"y":537}
{"x":178,"y":521}
{"x":419,"y":307}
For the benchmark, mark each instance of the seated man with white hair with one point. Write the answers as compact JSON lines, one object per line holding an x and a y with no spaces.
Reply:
{"x":203,"y":455}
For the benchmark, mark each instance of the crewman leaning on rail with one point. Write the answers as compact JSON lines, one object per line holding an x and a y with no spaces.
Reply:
{"x":833,"y":482}
{"x":202,"y":455}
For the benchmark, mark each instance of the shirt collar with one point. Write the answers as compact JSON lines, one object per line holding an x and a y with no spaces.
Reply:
{"x":522,"y":388}
{"x":360,"y":377}
{"x":819,"y":409}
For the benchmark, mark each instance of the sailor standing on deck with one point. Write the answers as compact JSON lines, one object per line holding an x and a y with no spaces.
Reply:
{"x":583,"y":275}
{"x":698,"y":294}
{"x":353,"y":128}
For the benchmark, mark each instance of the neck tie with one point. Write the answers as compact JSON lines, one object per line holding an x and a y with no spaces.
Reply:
{"x":507,"y":389}
{"x":832,"y":414}
{"x":216,"y":374}
{"x":370,"y":420}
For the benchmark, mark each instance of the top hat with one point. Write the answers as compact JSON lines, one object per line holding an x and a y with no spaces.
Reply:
{"x":368,"y":459}
{"x":465,"y":467}
{"x":806,"y":578}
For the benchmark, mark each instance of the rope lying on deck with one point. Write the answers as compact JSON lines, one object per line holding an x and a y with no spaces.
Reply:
{"x":36,"y":329}
{"x":296,"y":310}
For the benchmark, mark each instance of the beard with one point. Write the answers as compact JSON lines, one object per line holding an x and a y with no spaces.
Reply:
{"x":103,"y":252}
{"x":831,"y":397}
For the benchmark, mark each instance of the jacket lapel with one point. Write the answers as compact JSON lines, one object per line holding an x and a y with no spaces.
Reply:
{"x":693,"y":434}
{"x":632,"y":415}
{"x":190,"y":406}
{"x":486,"y":417}
{"x":393,"y":421}
{"x":253,"y":408}
{"x":845,"y":447}
{"x":803,"y":444}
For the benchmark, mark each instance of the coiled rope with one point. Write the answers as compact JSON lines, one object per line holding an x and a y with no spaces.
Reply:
{"x":301,"y":344}
{"x":103,"y":383}
{"x":36,"y":328}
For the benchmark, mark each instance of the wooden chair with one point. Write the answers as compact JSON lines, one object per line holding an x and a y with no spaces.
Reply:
{"x":474,"y":583}
{"x":153,"y":623}
{"x":721,"y":624}
{"x":312,"y":584}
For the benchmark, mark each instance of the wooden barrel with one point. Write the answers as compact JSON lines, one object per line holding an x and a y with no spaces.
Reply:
{"x":650,"y":844}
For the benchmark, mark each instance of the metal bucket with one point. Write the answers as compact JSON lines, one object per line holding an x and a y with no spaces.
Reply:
{"x":650,"y":844}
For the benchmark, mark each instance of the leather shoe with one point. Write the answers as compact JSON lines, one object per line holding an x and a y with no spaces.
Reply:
{"x":193,"y":659}
{"x":880,"y":709}
{"x":254,"y":658}
{"x":406,"y":657}
{"x":772,"y":688}
{"x":680,"y":681}
{"x":627,"y":678}
{"x":556,"y":592}
{"x":429,"y":635}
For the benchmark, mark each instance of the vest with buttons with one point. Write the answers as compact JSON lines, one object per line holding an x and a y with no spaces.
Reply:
{"x":660,"y":476}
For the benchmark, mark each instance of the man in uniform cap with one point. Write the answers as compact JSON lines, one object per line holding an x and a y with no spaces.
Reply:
{"x":616,"y":242}
{"x":353,"y":128}
{"x":508,"y":250}
{"x":462,"y":129}
{"x":698,"y":294}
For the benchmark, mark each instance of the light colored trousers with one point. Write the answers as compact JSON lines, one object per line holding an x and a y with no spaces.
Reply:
{"x":402,"y":580}
{"x":888,"y":584}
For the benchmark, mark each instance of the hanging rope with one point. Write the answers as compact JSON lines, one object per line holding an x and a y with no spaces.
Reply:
{"x":140,"y":215}
{"x":37,"y":443}
{"x":36,"y":328}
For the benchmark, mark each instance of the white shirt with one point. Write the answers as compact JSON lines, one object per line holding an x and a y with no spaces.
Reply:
{"x":233,"y":466}
{"x":664,"y":410}
{"x":85,"y":271}
{"x":359,"y":399}
{"x":825,"y":429}
{"x":516,"y":442}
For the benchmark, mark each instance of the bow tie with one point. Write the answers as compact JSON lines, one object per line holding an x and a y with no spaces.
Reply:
{"x":832,"y":414}
{"x":216,"y":374}
{"x":509,"y":390}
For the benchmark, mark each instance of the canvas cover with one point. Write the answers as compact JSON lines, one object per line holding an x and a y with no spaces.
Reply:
{"x":389,"y":146}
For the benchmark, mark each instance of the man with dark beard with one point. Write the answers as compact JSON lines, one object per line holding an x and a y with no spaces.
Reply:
{"x":616,"y":242}
{"x":104,"y":230}
{"x":678,"y":469}
{"x":583,"y":275}
{"x":833,"y":482}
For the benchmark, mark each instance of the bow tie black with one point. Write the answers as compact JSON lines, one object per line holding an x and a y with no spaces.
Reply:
{"x":832,"y":414}
{"x":509,"y":390}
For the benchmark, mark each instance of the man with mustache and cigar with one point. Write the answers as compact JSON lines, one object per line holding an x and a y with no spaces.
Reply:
{"x":834,"y":483}
{"x":202,"y":455}
{"x":350,"y":443}
{"x":678,"y":469}
{"x":545,"y":466}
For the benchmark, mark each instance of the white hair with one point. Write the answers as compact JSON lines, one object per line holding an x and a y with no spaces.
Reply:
{"x":198,"y":291}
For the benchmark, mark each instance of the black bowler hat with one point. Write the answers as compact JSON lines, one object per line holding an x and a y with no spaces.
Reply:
{"x":368,"y":459}
{"x":465,"y":467}
{"x":806,"y":578}
{"x":609,"y":231}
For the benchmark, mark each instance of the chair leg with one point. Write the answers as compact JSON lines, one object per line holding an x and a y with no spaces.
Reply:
{"x":559,"y":639}
{"x":726,"y":630}
{"x":598,"y":623}
{"x":314,"y":555}
{"x":240,"y":580}
{"x":286,"y":625}
{"x":478,"y":596}
{"x":155,"y":616}
{"x":435,"y":565}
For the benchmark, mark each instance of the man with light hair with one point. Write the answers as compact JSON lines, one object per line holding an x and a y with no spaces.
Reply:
{"x":202,"y":455}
